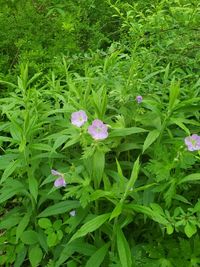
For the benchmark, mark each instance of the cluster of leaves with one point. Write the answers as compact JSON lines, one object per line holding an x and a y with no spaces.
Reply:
{"x":41,"y":31}
{"x":134,"y":195}
{"x":143,"y":162}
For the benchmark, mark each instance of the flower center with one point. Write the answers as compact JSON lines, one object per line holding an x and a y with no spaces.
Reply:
{"x":194,"y":142}
{"x":98,"y":129}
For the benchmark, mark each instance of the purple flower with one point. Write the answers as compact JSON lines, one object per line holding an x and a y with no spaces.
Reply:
{"x":79,"y":118}
{"x":60,"y":182}
{"x":98,"y":130}
{"x":193,"y":142}
{"x":139,"y":99}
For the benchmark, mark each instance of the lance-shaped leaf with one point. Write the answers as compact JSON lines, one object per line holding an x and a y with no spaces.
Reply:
{"x":91,"y":226}
{"x":133,"y":178}
{"x":151,"y":137}
{"x":97,"y":258}
{"x":123,"y":249}
{"x":60,"y":208}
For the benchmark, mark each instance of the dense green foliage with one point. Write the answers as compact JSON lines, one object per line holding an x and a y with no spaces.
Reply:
{"x":131,"y":199}
{"x":42,"y":31}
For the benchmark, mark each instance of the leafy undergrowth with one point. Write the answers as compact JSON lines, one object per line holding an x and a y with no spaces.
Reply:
{"x":99,"y":157}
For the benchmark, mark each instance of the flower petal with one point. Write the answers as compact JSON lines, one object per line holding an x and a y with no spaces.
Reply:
{"x":79,"y":118}
{"x":60,"y":182}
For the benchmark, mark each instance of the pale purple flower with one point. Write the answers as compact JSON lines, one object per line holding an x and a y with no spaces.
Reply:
{"x":60,"y":182}
{"x":193,"y":142}
{"x":139,"y":99}
{"x":72,"y":213}
{"x":79,"y":118}
{"x":98,"y":130}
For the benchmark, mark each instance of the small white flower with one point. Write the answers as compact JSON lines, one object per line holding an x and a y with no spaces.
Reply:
{"x":72,"y":213}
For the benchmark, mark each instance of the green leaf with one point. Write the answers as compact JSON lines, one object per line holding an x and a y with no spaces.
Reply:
{"x":21,"y":252}
{"x":126,"y":131}
{"x":33,"y":187}
{"x":117,"y":211}
{"x":154,"y":215}
{"x":170,"y":229}
{"x":59,"y":235}
{"x":5,"y":160}
{"x":42,"y":147}
{"x":35,"y":76}
{"x":72,"y":263}
{"x":128,"y":146}
{"x":9,"y":170}
{"x":197,"y":207}
{"x":182,"y":199}
{"x":91,"y":226}
{"x":57,"y":225}
{"x":22,"y":225}
{"x":173,"y":95}
{"x":121,"y":177}
{"x":75,"y":246}
{"x":190,"y":178}
{"x":5,"y":139}
{"x":166,"y":74}
{"x":123,"y":249}
{"x":59,"y":141}
{"x":9,"y":222}
{"x":16,"y":131}
{"x":44,"y":223}
{"x":151,"y":137}
{"x":35,"y":256}
{"x":72,"y":142}
{"x":190,"y":229}
{"x":101,"y":194}
{"x":133,"y":178}
{"x":100,"y":101}
{"x":98,"y":165}
{"x":42,"y":240}
{"x":8,"y":83}
{"x":134,"y":174}
{"x":144,"y":187}
{"x":29,"y":237}
{"x":97,"y":258}
{"x":65,"y":254}
{"x":60,"y":208}
{"x":179,"y":122}
{"x":11,"y":188}
{"x":149,"y":76}
{"x":51,"y":239}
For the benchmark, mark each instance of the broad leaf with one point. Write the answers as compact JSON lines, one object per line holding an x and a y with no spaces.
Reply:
{"x":29,"y":237}
{"x":35,"y":256}
{"x":190,"y":229}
